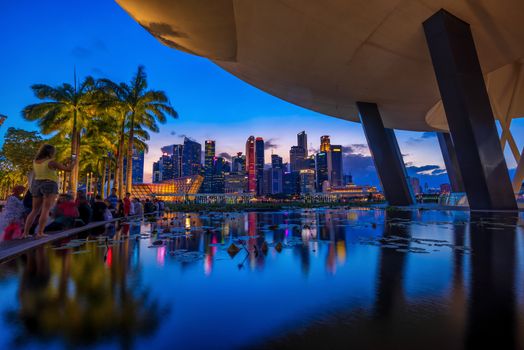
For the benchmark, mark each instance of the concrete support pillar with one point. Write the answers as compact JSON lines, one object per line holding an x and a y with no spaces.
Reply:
{"x":450,"y":159}
{"x":386,"y":156}
{"x":468,"y":111}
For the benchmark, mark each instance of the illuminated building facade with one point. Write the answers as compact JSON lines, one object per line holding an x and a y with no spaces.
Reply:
{"x":321,"y":169}
{"x":250,"y":164}
{"x":335,"y":165}
{"x":191,"y":158}
{"x":307,"y":181}
{"x":259,"y":164}
{"x":171,"y":190}
{"x":291,"y":183}
{"x":235,"y":183}
{"x":325,"y":144}
{"x":209,"y":166}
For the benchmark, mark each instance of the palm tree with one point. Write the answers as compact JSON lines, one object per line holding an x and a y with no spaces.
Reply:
{"x":65,"y":110}
{"x":140,"y":109}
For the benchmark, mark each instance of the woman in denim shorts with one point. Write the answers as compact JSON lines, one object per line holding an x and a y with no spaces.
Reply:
{"x":44,"y":187}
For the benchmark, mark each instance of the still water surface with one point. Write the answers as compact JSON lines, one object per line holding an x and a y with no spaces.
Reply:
{"x":324,"y":278}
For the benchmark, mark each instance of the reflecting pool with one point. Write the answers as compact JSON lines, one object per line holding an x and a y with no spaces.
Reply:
{"x":295,"y":279}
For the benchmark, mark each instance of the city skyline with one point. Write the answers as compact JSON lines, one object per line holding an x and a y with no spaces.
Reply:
{"x":212,"y":103}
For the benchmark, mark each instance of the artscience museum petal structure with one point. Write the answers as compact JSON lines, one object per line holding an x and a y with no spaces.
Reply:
{"x":449,"y":66}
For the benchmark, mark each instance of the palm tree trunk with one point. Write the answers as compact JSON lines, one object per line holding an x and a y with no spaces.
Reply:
{"x":108,"y":188}
{"x":102,"y":189}
{"x":73,"y":151}
{"x":74,"y":172}
{"x":129,"y":170}
{"x":119,"y":167}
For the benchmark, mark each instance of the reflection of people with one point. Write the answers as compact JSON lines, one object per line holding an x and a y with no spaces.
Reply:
{"x":11,"y":218}
{"x":44,"y":187}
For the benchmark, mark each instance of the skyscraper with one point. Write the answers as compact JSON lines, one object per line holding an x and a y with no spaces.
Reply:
{"x":276,"y":161}
{"x":250,"y":165}
{"x":209,"y":166}
{"x":307,"y":181}
{"x":291,"y":183}
{"x":176,"y":153}
{"x":302,"y":142}
{"x":157,"y":176}
{"x":325,"y":144}
{"x":138,"y":166}
{"x":238,"y":164}
{"x":321,"y":169}
{"x":191,"y":158}
{"x":296,"y":158}
{"x":335,"y":165}
{"x":259,"y":164}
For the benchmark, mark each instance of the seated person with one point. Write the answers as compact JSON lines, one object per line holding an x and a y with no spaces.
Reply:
{"x":11,"y":217}
{"x":64,"y":214}
{"x":84,"y":209}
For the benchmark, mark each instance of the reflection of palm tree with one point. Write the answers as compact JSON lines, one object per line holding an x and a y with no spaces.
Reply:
{"x":102,"y":305}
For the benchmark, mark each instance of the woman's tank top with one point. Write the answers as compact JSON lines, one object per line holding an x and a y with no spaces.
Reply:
{"x":43,"y":172}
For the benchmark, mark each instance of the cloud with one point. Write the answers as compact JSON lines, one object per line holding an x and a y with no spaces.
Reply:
{"x":355,"y":148}
{"x":86,"y":51}
{"x":172,"y":133}
{"x":424,"y":169}
{"x":423,"y":137}
{"x":428,"y":135}
{"x":81,"y":52}
{"x":270,"y":144}
{"x":225,"y":155}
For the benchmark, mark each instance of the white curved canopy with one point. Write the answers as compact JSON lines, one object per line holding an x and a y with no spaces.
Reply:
{"x":326,"y":55}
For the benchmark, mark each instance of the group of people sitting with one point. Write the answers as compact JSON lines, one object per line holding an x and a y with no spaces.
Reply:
{"x":42,"y":209}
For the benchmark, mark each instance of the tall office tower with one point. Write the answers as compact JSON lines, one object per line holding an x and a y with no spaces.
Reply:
{"x":209,"y":166}
{"x":296,"y":158}
{"x":138,"y":166}
{"x":259,"y":164}
{"x":176,"y":153}
{"x":307,"y":181}
{"x":291,"y":183}
{"x":273,"y":176}
{"x":238,"y":164}
{"x":217,"y":179}
{"x":335,"y":166}
{"x":166,"y":167}
{"x":325,"y":144}
{"x":250,"y":165}
{"x":157,"y":176}
{"x":302,"y":142}
{"x":321,"y":169}
{"x":276,"y":161}
{"x":191,"y":158}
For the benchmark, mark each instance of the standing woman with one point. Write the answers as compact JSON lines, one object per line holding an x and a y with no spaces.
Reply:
{"x":44,"y":187}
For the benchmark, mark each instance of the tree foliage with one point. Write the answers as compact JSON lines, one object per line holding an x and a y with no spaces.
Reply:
{"x":19,"y":149}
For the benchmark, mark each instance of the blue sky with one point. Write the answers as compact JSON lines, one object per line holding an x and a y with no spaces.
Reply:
{"x":42,"y":42}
